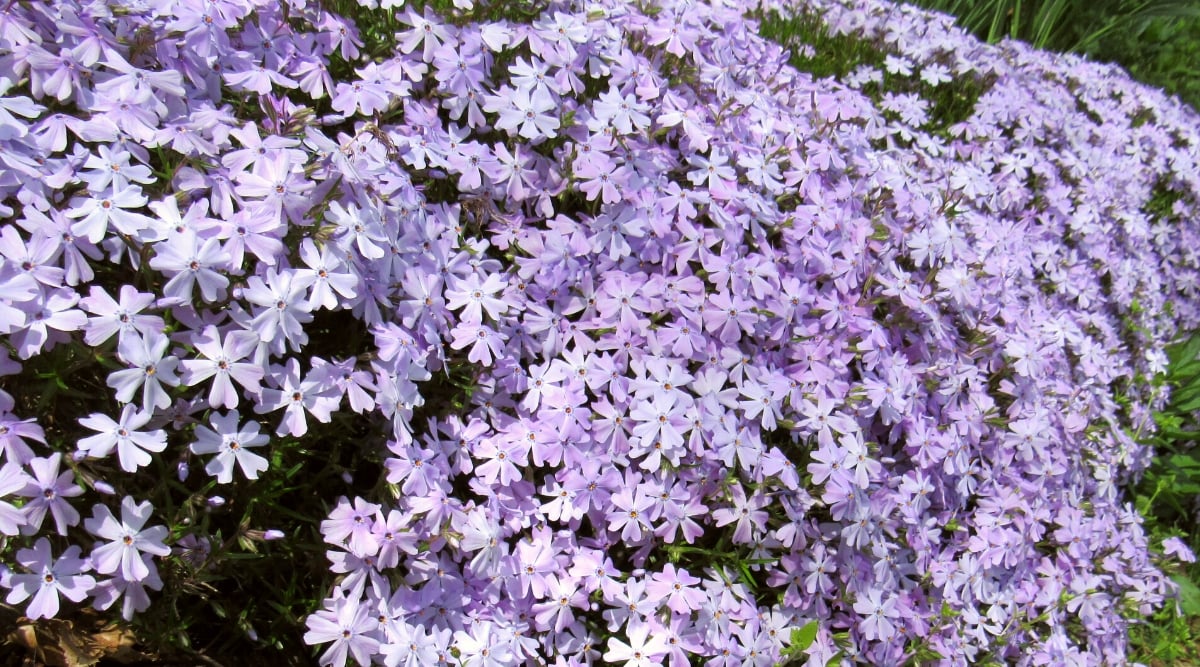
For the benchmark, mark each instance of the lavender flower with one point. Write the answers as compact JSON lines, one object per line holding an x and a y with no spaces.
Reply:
{"x":230,"y":442}
{"x":648,"y":299}
{"x":192,"y":261}
{"x":127,"y":540}
{"x":348,"y":627}
{"x":48,"y":490}
{"x":48,"y":578}
{"x":223,"y":363}
{"x":133,"y":446}
{"x":151,"y":368}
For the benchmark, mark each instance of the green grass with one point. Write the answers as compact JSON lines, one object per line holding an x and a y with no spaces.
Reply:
{"x":1163,"y":54}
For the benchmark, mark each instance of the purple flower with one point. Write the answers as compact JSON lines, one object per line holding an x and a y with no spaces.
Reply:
{"x":277,"y":186}
{"x":132,"y":593}
{"x":1172,"y":546}
{"x":370,"y":94}
{"x":127,"y":539}
{"x":624,"y":112}
{"x":353,"y":383}
{"x":113,"y":167}
{"x":481,"y":534}
{"x":747,"y":514}
{"x":475,"y":296}
{"x":393,"y":537}
{"x":348,"y":624}
{"x":283,"y":312}
{"x":12,"y":480}
{"x":357,"y":229}
{"x":642,"y":649}
{"x":413,"y":646}
{"x":116,"y":209}
{"x":523,"y":114}
{"x":482,"y":645}
{"x":677,"y":588}
{"x":230,"y":442}
{"x":118,"y":317}
{"x":48,"y":578}
{"x":325,"y":275}
{"x":15,"y":435}
{"x":562,"y":596}
{"x":296,"y":397}
{"x":425,"y":30}
{"x":35,"y":258}
{"x":352,"y":524}
{"x":486,"y":343}
{"x":48,"y":491}
{"x":630,"y":513}
{"x":223,"y":363}
{"x":133,"y":446}
{"x":260,"y":235}
{"x":879,"y":612}
{"x":660,"y":429}
{"x":152,"y":368}
{"x":46,"y":321}
{"x":191,"y":260}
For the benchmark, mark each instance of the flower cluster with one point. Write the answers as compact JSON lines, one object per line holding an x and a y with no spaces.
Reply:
{"x":672,"y":349}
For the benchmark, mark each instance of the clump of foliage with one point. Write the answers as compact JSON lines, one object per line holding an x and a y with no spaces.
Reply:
{"x":483,"y":334}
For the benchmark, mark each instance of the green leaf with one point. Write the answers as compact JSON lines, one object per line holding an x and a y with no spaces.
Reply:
{"x":1178,"y":435}
{"x":747,"y":578}
{"x":1186,"y":488}
{"x":803,"y":637}
{"x":1185,"y":461}
{"x":1184,"y":370}
{"x":233,"y":555}
{"x":1192,"y":404}
{"x":1189,"y":595}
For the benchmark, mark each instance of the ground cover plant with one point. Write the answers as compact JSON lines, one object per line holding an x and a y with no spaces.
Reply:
{"x":579,"y":332}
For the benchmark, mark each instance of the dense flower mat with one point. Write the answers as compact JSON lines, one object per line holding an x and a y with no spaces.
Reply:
{"x":704,"y":350}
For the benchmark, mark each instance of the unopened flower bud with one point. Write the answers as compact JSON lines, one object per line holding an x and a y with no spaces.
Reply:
{"x":273,"y":534}
{"x":104,"y":487}
{"x":181,"y":471}
{"x":216,"y":501}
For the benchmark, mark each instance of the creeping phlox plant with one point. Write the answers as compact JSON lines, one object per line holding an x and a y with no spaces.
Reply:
{"x":670,"y":350}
